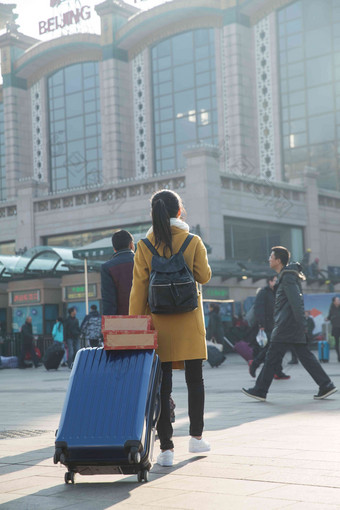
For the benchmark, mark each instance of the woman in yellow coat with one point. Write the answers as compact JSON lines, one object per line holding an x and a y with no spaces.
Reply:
{"x":181,"y":337}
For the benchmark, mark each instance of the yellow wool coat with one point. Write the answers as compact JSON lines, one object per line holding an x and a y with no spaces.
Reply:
{"x":180,"y":336}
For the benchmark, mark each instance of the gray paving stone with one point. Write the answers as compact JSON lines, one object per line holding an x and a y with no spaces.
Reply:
{"x":281,"y":454}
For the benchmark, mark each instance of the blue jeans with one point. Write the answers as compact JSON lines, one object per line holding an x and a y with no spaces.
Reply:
{"x":73,"y":346}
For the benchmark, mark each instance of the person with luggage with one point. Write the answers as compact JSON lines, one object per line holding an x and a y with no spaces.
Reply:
{"x":72,"y":335}
{"x":58,"y":331}
{"x":181,"y":336}
{"x":27,"y":339}
{"x":289,"y":329}
{"x":116,"y":275}
{"x":91,"y":327}
{"x":264,"y":316}
{"x":215,"y":326}
{"x":334,"y":318}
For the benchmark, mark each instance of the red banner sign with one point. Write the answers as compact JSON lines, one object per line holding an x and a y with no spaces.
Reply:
{"x":23,"y":297}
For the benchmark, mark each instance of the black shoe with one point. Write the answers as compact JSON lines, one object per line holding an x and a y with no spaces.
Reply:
{"x":39,"y":364}
{"x":281,"y":376}
{"x":251,"y":392}
{"x":325,"y":392}
{"x":252,"y":368}
{"x":293,"y":362}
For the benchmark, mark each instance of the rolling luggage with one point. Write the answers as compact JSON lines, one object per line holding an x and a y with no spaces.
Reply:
{"x":323,"y":351}
{"x":110,"y":413}
{"x":215,"y":357}
{"x":53,"y":356}
{"x":242,"y":348}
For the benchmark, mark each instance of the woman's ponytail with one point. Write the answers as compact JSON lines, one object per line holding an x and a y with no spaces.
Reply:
{"x":161,"y":225}
{"x":165,"y":204}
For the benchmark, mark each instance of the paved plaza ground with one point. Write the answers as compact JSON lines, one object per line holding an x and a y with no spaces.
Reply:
{"x":280,"y":454}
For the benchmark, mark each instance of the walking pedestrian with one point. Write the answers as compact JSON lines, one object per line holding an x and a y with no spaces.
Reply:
{"x":91,"y":327}
{"x":116,"y":275}
{"x":72,"y":335}
{"x":264,"y":316}
{"x":27,"y":339}
{"x":334,"y":318}
{"x":181,"y":336}
{"x":289,"y":329}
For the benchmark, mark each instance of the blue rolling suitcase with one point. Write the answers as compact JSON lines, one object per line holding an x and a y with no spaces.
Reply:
{"x":323,"y":351}
{"x":110,"y":413}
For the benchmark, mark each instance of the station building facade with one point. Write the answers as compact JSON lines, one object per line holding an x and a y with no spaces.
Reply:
{"x":234,"y":104}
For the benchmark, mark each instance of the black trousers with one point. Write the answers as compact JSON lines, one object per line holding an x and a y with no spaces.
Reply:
{"x":28,"y":347}
{"x":195,"y":385}
{"x":336,"y":334}
{"x":274,"y":356}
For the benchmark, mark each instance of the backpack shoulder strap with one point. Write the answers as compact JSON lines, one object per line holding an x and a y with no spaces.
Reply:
{"x":185,"y":244}
{"x":150,"y":246}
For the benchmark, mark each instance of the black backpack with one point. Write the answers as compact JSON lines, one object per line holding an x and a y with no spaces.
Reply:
{"x":172,"y":286}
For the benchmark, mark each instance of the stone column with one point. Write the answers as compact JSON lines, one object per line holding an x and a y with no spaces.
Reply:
{"x":203,"y":200}
{"x":25,"y":232}
{"x":116,"y":94}
{"x":312,"y":233}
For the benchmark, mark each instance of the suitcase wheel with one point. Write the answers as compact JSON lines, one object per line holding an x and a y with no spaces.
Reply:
{"x":69,"y":477}
{"x":143,"y":475}
{"x":134,"y":456}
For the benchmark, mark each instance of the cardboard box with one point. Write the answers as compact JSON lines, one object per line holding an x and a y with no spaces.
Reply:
{"x":126,"y":323}
{"x":118,"y":340}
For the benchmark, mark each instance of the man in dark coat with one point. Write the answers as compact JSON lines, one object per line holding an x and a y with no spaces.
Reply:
{"x":72,"y":335}
{"x":289,"y":329}
{"x":264,"y":315}
{"x":116,"y":275}
{"x":91,"y":327}
{"x":28,"y":344}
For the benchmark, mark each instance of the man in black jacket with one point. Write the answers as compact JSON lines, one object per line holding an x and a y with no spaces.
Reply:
{"x":28,"y":344}
{"x":116,"y":275}
{"x":72,"y":335}
{"x":264,"y":315}
{"x":289,"y":329}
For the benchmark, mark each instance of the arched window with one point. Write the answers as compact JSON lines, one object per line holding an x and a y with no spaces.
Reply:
{"x":184,"y":95}
{"x":75,"y":129}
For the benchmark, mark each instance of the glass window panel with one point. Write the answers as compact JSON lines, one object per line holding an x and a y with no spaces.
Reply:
{"x":184,"y":102}
{"x":89,"y":83}
{"x":203,"y":79}
{"x":166,"y":127}
{"x":163,"y":63}
{"x":182,"y":48}
{"x":297,"y":126}
{"x":297,"y":112}
{"x":164,"y":75}
{"x":293,"y":11}
{"x":167,"y":152}
{"x":74,"y":105}
{"x":90,"y":106}
{"x":73,"y":79}
{"x":184,"y":77}
{"x":319,"y":70}
{"x":296,"y":83}
{"x":297,"y":97}
{"x":321,"y":128}
{"x":75,"y":128}
{"x":203,"y":92}
{"x":294,"y":26}
{"x":91,"y":130}
{"x":294,"y":41}
{"x":89,"y":69}
{"x":320,"y":99}
{"x":202,"y":65}
{"x":163,"y":48}
{"x":167,"y":139}
{"x":90,"y":118}
{"x":318,"y":42}
{"x":89,"y":94}
{"x":166,"y":114}
{"x":165,"y":101}
{"x":168,"y":164}
{"x":201,"y":37}
{"x":186,"y":128}
{"x":59,"y":114}
{"x":295,"y":55}
{"x":165,"y":88}
{"x":316,"y":13}
{"x":202,"y":52}
{"x":294,"y":70}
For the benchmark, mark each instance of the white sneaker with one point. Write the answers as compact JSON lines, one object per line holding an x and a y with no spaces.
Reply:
{"x":166,"y":458}
{"x":198,"y":445}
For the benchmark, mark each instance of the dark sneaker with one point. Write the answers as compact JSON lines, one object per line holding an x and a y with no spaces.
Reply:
{"x":293,"y":362}
{"x":325,"y":392}
{"x":252,"y":368}
{"x":251,"y":392}
{"x":281,"y":376}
